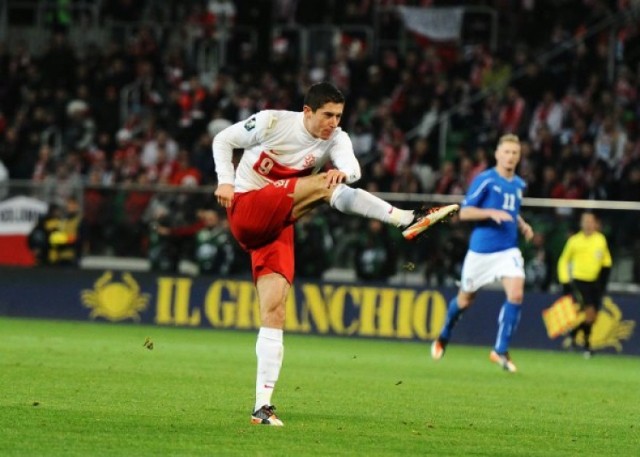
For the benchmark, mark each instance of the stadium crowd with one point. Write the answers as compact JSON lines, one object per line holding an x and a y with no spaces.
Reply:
{"x":139,"y":110}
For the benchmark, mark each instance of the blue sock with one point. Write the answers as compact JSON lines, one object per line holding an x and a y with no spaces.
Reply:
{"x":453,"y":314}
{"x":507,"y":324}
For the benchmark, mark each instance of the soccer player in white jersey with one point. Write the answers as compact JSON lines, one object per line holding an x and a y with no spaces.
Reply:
{"x":493,"y":201}
{"x":279,"y":179}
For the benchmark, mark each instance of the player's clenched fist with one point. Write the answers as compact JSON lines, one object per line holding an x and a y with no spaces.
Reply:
{"x":224,"y":194}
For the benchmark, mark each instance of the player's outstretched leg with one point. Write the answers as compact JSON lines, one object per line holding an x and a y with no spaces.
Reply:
{"x":427,"y":217}
{"x":362,"y":203}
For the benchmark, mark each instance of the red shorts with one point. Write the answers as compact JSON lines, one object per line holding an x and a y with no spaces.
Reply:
{"x":261,"y":222}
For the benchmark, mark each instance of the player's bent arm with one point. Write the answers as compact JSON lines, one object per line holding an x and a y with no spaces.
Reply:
{"x":344,"y":159}
{"x":223,"y":155}
{"x":241,"y":135}
{"x":525,"y":228}
{"x":473,"y":213}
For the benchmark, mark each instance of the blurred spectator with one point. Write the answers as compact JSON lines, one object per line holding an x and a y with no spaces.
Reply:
{"x":63,"y":184}
{"x":185,"y":174}
{"x":206,"y":241}
{"x":59,"y":238}
{"x":126,"y":165}
{"x":610,"y":142}
{"x":10,"y":153}
{"x":96,"y":211}
{"x":448,"y":182}
{"x":375,"y":255}
{"x":630,"y":159}
{"x":406,"y":181}
{"x":313,"y":245}
{"x":129,"y":235}
{"x":163,"y":170}
{"x":393,"y":149}
{"x":480,"y":164}
{"x":547,"y":113}
{"x":363,"y":141}
{"x":598,"y":186}
{"x":512,"y":112}
{"x":162,"y":139}
{"x":446,"y":256}
{"x":214,"y":250}
{"x":38,"y":238}
{"x":424,"y":164}
{"x":571,"y":186}
{"x":80,"y":130}
{"x":538,"y":263}
{"x":162,"y":252}
{"x":44,"y":166}
{"x":74,"y":243}
{"x":549,"y":182}
{"x":203,"y":159}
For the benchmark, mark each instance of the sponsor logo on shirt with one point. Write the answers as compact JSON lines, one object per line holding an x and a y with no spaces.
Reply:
{"x":270,"y":168}
{"x":250,"y":124}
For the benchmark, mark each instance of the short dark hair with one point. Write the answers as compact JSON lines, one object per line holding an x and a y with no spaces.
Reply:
{"x":321,"y":93}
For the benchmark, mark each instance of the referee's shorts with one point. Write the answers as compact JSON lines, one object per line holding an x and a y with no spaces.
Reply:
{"x":587,"y":293}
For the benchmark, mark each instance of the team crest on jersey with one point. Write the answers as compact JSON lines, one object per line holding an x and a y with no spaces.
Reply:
{"x":309,"y":161}
{"x":497,"y":189}
{"x":250,"y":124}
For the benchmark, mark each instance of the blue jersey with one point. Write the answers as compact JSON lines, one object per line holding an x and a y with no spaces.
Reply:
{"x":490,"y":190}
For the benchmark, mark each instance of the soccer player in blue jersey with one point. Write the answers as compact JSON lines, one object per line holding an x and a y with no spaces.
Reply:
{"x":493,"y":201}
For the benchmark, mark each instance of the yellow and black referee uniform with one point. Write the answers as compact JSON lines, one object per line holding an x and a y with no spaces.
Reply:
{"x":583,"y":270}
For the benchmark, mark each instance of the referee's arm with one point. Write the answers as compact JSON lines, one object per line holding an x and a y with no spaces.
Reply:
{"x":603,"y":279}
{"x":564,"y":263}
{"x":605,"y":271}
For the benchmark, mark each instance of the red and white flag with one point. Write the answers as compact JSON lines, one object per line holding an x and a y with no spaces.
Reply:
{"x":18,"y":216}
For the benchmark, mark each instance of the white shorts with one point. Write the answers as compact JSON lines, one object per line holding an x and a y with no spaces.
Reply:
{"x":479,"y":270}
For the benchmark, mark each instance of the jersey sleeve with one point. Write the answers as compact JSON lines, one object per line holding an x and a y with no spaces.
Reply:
{"x":564,"y":262}
{"x":241,"y":135}
{"x":477,"y":192}
{"x":343,"y":157}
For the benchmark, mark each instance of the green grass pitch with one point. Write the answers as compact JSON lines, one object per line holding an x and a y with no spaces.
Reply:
{"x":92,"y":389}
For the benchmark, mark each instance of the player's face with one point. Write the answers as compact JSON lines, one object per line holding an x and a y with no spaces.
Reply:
{"x":324,"y":120}
{"x":508,"y":156}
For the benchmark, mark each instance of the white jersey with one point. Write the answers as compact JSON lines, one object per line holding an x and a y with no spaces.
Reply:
{"x":278,"y":146}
